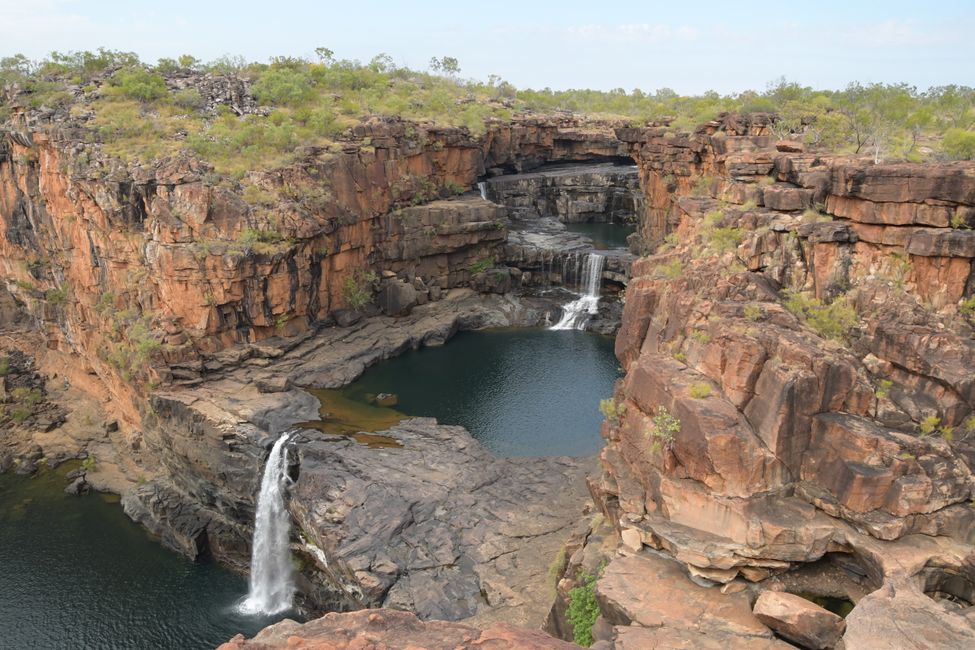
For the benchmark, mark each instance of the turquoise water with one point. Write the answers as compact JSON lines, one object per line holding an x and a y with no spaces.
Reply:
{"x":521,"y":392}
{"x":604,"y":236}
{"x":75,"y":572}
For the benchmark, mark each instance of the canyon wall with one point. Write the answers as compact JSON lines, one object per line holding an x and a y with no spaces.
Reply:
{"x":141,"y":273}
{"x":798,"y":392}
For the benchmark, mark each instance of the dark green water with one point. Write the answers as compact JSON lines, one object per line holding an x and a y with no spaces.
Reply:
{"x":604,"y":236}
{"x":77,"y":573}
{"x":521,"y":392}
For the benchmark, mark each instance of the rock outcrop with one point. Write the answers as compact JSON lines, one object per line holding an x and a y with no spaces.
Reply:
{"x":795,"y":397}
{"x":387,"y":629}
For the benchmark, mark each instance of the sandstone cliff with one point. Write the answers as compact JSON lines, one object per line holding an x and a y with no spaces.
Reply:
{"x":798,"y":391}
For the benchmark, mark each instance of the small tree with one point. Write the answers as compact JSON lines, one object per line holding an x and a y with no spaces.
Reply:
{"x":324,"y":55}
{"x":447,"y":65}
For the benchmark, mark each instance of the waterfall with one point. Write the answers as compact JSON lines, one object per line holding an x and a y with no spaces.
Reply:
{"x":576,"y":313}
{"x":482,"y":186}
{"x":270,"y":580}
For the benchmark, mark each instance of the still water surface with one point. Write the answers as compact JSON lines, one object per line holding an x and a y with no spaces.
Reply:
{"x":521,"y":392}
{"x":75,"y":572}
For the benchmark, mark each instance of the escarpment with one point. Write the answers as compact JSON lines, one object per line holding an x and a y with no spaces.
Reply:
{"x":797,"y":408}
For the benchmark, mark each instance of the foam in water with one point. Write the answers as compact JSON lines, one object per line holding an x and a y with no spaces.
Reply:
{"x":576,"y":313}
{"x":271,"y":587}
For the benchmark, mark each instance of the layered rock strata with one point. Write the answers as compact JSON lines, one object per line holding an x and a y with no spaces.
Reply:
{"x":797,"y":388}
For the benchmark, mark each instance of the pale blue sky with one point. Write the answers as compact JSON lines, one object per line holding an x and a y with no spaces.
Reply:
{"x":687,"y":46}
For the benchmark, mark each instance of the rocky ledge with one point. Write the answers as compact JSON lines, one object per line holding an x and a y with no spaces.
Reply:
{"x":392,"y":630}
{"x":422,"y":518}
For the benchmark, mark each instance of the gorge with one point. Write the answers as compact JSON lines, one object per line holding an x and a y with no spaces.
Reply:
{"x":789,"y":425}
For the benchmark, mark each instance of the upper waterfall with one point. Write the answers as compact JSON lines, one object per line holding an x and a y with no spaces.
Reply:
{"x":576,"y":313}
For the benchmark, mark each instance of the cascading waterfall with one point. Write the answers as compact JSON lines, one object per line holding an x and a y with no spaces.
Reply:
{"x":271,"y":587}
{"x":482,"y":186}
{"x":576,"y":313}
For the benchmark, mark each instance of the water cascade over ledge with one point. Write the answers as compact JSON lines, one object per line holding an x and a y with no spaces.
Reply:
{"x":576,"y":313}
{"x":271,"y":586}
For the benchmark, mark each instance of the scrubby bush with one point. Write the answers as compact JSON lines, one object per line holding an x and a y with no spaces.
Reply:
{"x":611,"y":410}
{"x":481,"y":265}
{"x":284,"y":86}
{"x":190,"y":99}
{"x":139,"y":84}
{"x":357,"y":289}
{"x":959,"y":144}
{"x":672,"y":269}
{"x":583,"y":610}
{"x":832,"y":321}
{"x":664,"y":429}
{"x":700,"y":390}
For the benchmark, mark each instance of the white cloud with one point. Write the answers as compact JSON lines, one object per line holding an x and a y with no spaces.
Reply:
{"x":632,"y":33}
{"x":898,"y":33}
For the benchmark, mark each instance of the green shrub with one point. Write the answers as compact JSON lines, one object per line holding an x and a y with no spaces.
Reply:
{"x":700,"y":390}
{"x":139,"y":84}
{"x":700,"y":336}
{"x":713,"y":218}
{"x":883,"y":388}
{"x":284,"y":86}
{"x":672,"y":269}
{"x":900,"y":268}
{"x":190,"y":99}
{"x":56,"y":296}
{"x":959,"y":144}
{"x":481,"y":265}
{"x":4,"y":366}
{"x":583,"y":610}
{"x":357,"y":289}
{"x":928,"y":425}
{"x":664,"y":429}
{"x":723,"y":240}
{"x":753,"y":312}
{"x":611,"y":410}
{"x":89,"y":463}
{"x":967,"y":307}
{"x":702,"y":186}
{"x":814,"y":216}
{"x":833,"y":321}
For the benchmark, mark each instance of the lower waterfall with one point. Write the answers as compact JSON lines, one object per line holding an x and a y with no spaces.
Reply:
{"x":576,"y":313}
{"x":271,"y":586}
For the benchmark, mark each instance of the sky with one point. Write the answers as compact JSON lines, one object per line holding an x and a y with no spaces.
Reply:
{"x":688,"y":46}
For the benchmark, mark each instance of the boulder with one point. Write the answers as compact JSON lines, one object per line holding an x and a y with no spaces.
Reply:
{"x":396,"y":297}
{"x":77,"y":487}
{"x":790,"y":146}
{"x":799,"y":620}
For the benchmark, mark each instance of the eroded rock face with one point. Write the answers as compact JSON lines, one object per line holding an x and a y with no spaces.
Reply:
{"x":165,"y":253}
{"x":756,"y":432}
{"x":388,"y":629}
{"x":571,"y":193}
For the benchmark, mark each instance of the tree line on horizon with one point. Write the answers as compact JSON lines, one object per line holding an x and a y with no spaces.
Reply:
{"x":314,"y":101}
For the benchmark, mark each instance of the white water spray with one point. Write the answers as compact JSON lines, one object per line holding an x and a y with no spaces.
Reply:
{"x":271,"y":587}
{"x":576,"y":313}
{"x":482,"y":186}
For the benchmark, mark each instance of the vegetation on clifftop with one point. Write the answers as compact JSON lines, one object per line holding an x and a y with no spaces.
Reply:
{"x":143,"y":112}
